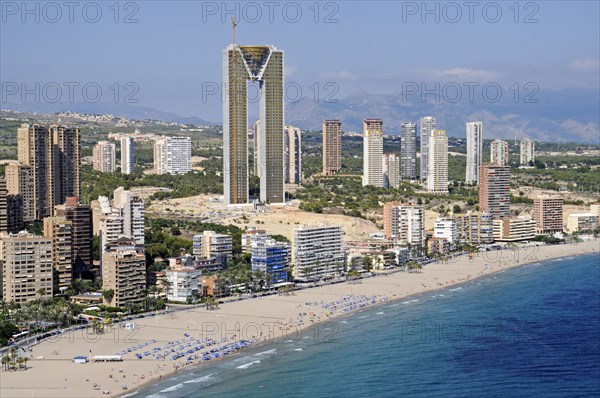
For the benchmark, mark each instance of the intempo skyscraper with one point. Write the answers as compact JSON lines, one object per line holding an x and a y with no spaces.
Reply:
{"x":264,"y":65}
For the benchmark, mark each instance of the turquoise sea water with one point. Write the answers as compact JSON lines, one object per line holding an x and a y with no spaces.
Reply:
{"x":527,"y":332}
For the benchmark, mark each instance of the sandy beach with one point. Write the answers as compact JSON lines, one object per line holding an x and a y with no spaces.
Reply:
{"x":161,"y":345}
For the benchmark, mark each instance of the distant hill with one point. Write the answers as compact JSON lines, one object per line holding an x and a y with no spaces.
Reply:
{"x":558,"y":116}
{"x":570,"y":115}
{"x":116,"y":109}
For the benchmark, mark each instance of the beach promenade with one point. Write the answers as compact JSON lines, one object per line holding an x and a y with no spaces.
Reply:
{"x":160,"y":345}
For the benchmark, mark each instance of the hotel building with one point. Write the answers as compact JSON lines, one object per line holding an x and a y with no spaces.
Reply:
{"x":474,"y":151}
{"x":19,"y":181}
{"x":53,"y":153}
{"x":427,"y":125}
{"x":373,"y":152}
{"x":404,"y":223}
{"x":104,"y":157}
{"x":548,"y":214}
{"x":437,"y":163}
{"x":527,"y":152}
{"x":494,"y":190}
{"x":511,"y":229}
{"x":408,"y":151}
{"x":26,"y":267}
{"x":499,"y":153}
{"x":127,"y":155}
{"x":332,"y":146}
{"x":172,"y":155}
{"x":318,"y":252}
{"x":262,"y":64}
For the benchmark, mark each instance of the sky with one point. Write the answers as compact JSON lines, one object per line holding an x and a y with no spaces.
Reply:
{"x":168,"y":55}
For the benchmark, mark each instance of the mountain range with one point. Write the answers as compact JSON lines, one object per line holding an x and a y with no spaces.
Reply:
{"x":569,"y":115}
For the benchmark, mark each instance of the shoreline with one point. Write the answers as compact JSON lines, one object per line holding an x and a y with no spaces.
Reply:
{"x":317,"y":304}
{"x":192,"y":368}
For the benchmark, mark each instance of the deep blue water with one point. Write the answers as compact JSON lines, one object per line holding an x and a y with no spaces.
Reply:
{"x":527,"y":332}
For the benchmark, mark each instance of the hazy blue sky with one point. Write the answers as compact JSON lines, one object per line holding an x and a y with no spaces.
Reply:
{"x":175,"y":47}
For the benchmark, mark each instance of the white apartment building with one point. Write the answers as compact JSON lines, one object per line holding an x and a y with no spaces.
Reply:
{"x":373,"y":152}
{"x":527,"y":152}
{"x":172,"y":155}
{"x":132,"y":209}
{"x":317,"y":252}
{"x":105,"y":157}
{"x":499,"y":153}
{"x":211,"y":244}
{"x":427,"y":125}
{"x":437,"y":163}
{"x":446,"y":228}
{"x":404,"y":223}
{"x":183,"y":284}
{"x":292,"y":155}
{"x":474,"y":151}
{"x":127,"y":155}
{"x":391,"y":170}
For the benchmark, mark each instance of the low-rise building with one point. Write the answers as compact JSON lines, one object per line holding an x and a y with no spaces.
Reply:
{"x":183,"y":284}
{"x":211,"y":244}
{"x":582,"y":222}
{"x":512,"y":229}
{"x":595,"y":209}
{"x":446,"y":228}
{"x":247,"y":237}
{"x":438,"y":246}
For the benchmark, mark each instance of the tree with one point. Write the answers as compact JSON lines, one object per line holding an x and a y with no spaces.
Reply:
{"x":5,"y":362}
{"x":96,"y":247}
{"x":97,"y":327}
{"x":13,"y":358}
{"x":108,"y":295}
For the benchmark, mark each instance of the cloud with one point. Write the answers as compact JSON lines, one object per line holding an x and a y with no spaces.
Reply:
{"x":585,"y":65}
{"x":341,"y":75}
{"x":463,"y":74}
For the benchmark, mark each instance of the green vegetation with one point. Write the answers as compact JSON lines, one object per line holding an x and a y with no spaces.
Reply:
{"x":35,"y":316}
{"x":346,"y":195}
{"x":582,"y":179}
{"x":161,"y":243}
{"x":193,"y":183}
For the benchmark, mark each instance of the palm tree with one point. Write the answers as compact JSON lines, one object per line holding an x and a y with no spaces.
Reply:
{"x":13,"y":358}
{"x":5,"y":361}
{"x":96,"y":326}
{"x":289,"y":271}
{"x":107,"y":323}
{"x":211,"y":303}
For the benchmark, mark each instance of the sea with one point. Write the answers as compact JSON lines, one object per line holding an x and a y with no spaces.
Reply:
{"x":532,"y":331}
